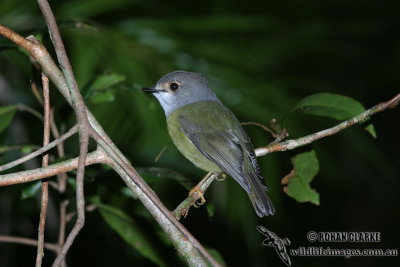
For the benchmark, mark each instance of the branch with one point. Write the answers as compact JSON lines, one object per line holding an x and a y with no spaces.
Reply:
{"x":60,"y":151}
{"x":40,"y":151}
{"x":265,"y":128}
{"x":97,"y":156}
{"x":276,"y":131}
{"x":35,"y":90}
{"x":45,"y":162}
{"x":61,"y":186}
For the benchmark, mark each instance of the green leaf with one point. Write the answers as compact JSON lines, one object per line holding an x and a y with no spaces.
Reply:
{"x":305,"y":168}
{"x":152,"y":174}
{"x":129,"y":230}
{"x":28,"y":149}
{"x":102,"y":97}
{"x":210,"y":210}
{"x":107,"y":80}
{"x":103,"y":82}
{"x":6,"y":116}
{"x":370,"y":128}
{"x":4,"y":149}
{"x":31,"y":190}
{"x":7,"y":44}
{"x":72,"y":182}
{"x":126,"y":191}
{"x":334,"y":106}
{"x":100,"y":90}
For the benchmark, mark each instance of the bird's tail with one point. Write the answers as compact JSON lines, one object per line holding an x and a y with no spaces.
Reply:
{"x":258,"y":196}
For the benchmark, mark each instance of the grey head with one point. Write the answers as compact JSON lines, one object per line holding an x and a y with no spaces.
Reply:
{"x":180,"y":88}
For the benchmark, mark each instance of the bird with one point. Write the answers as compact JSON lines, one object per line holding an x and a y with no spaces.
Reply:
{"x":209,"y":135}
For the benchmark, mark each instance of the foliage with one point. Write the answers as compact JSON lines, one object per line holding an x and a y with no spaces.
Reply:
{"x":6,"y":115}
{"x":305,"y":168}
{"x":333,"y":106}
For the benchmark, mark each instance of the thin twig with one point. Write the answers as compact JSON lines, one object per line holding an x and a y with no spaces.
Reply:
{"x":360,"y":118}
{"x":88,"y":208}
{"x":63,"y":221}
{"x":36,"y":93}
{"x":160,"y":153}
{"x":40,"y":151}
{"x":22,"y":107}
{"x":276,"y":131}
{"x":265,"y":128}
{"x":280,"y":137}
{"x":62,"y":178}
{"x":27,"y":241}
{"x":45,"y":162}
{"x":61,"y":186}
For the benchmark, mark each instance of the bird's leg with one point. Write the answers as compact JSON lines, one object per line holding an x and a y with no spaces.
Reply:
{"x":194,"y":194}
{"x":197,"y":190}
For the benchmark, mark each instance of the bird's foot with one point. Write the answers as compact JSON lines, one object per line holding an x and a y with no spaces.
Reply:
{"x":222,"y":178}
{"x":196,"y":190}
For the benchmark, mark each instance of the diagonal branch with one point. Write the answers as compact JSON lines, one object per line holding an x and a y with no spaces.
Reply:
{"x":40,"y":151}
{"x":97,"y":156}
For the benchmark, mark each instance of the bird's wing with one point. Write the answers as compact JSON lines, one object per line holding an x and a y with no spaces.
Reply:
{"x":222,"y":140}
{"x":221,"y":145}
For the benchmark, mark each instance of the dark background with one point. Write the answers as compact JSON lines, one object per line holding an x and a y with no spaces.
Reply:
{"x":261,"y":58}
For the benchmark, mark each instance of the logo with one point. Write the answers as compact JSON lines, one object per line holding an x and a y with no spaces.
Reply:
{"x":278,"y":243}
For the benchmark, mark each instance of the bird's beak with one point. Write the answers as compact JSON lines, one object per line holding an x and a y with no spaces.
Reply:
{"x":151,"y":90}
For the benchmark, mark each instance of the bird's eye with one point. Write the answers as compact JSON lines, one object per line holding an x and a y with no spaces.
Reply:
{"x":174,"y":86}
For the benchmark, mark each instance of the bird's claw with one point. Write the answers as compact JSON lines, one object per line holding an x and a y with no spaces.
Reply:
{"x":222,"y":178}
